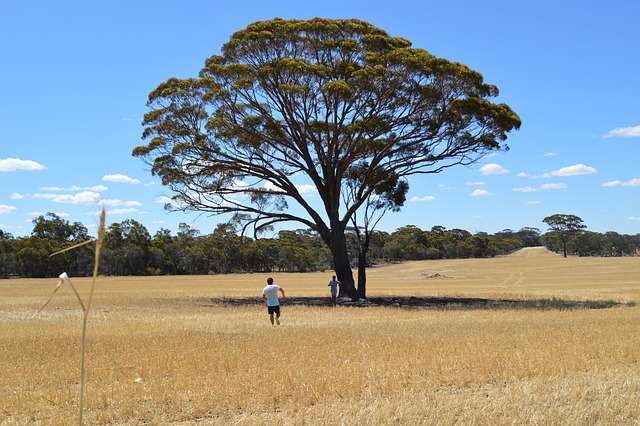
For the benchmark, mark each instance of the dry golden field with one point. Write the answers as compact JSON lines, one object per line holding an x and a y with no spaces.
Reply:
{"x":162,"y":351}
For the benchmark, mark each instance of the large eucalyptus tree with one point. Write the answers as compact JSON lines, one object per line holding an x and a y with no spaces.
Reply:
{"x":288,"y":99}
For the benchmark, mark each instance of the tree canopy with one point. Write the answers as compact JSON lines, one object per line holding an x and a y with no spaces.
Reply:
{"x":292,"y":104}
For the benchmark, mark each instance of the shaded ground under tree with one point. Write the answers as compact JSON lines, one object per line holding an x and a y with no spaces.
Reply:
{"x":430,"y":302}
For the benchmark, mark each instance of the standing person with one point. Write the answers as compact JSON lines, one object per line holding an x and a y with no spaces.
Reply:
{"x":270,"y":297}
{"x":333,"y":287}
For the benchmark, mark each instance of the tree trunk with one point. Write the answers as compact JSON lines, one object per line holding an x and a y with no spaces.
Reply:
{"x":362,"y":264}
{"x":343,"y":267}
{"x":362,"y":275}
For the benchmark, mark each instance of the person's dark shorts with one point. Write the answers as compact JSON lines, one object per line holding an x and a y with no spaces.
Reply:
{"x":273,"y":309}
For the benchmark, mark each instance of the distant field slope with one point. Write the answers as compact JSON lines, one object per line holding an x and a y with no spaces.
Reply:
{"x":534,"y":252}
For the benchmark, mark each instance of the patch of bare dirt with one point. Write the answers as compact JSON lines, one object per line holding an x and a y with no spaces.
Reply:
{"x":435,"y":275}
{"x":534,"y":252}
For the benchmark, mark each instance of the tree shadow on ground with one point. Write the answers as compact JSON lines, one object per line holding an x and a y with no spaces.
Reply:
{"x":429,"y":302}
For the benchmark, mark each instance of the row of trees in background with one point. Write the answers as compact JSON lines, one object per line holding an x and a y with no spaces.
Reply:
{"x":129,"y":248}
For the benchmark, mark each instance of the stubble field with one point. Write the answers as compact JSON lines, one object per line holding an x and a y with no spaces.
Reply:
{"x":175,"y":351}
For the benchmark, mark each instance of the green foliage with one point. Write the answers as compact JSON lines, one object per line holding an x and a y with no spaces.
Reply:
{"x":30,"y":257}
{"x":565,"y":226}
{"x":52,"y":227}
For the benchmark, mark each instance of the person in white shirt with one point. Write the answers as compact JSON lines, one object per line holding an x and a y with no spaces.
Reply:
{"x":270,"y":297}
{"x":333,"y":287}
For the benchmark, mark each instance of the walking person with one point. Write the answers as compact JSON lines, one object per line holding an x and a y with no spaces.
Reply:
{"x":333,"y":287}
{"x":270,"y":297}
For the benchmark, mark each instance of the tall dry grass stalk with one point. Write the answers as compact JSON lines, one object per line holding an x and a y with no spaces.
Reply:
{"x":192,"y":361}
{"x":96,"y":263}
{"x":64,"y":278}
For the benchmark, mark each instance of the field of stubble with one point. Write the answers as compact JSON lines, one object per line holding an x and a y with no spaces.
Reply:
{"x":166,"y":351}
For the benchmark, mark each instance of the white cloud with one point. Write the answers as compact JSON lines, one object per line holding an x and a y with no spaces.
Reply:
{"x":4,"y":209}
{"x":547,"y":186}
{"x":444,"y":186}
{"x":16,"y":196}
{"x":9,"y":227}
{"x":13,"y":164}
{"x":122,"y":211}
{"x":116,"y":203}
{"x":634,"y":218}
{"x":480,"y":193}
{"x":545,"y":175}
{"x":307,"y":189}
{"x":475,"y":183}
{"x":36,"y":214}
{"x":269,"y":186}
{"x":575,"y":170}
{"x":523,"y":174}
{"x":55,"y":188}
{"x":524,"y":189}
{"x":96,"y":188}
{"x":631,"y":182}
{"x":85,"y":197}
{"x":493,"y":169}
{"x":419,"y":199}
{"x":625,"y":132}
{"x":549,"y":154}
{"x":120,"y":178}
{"x":533,"y":202}
{"x":163,"y":199}
{"x":166,"y":200}
{"x":304,"y":189}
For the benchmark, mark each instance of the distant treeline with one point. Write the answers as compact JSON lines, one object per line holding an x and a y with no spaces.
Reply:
{"x":129,"y":249}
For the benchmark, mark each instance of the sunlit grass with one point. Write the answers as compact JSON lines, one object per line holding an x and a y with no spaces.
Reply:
{"x":157,"y":353}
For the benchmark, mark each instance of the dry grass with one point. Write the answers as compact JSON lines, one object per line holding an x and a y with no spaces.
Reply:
{"x":157,"y":354}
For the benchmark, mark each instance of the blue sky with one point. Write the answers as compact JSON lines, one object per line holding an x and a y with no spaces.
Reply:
{"x":76,"y":76}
